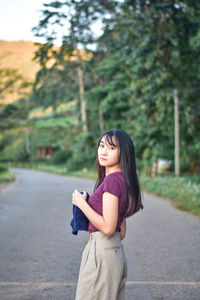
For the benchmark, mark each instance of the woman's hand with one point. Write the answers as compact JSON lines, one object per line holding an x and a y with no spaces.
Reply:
{"x":78,"y":198}
{"x":106,"y":223}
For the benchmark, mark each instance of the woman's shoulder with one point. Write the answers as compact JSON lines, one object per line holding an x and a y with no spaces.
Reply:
{"x":114,"y":183}
{"x":114,"y":177}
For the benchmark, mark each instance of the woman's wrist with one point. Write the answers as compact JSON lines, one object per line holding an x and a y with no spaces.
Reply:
{"x":82,"y":204}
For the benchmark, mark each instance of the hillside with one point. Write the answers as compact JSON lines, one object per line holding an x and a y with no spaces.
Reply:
{"x":17,"y":55}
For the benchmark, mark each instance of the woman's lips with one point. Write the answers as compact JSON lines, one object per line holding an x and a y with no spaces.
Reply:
{"x":104,"y":159}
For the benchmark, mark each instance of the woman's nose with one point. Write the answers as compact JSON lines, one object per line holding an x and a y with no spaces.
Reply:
{"x":104,"y":151}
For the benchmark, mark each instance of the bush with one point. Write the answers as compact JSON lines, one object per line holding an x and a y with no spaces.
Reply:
{"x":3,"y":168}
{"x":195,"y":178}
{"x":80,"y":160}
{"x":84,"y":153}
{"x":61,"y":157}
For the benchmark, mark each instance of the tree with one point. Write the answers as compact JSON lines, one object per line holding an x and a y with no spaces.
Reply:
{"x":147,"y":50}
{"x":79,"y":17}
{"x":148,"y":46}
{"x":12,"y":82}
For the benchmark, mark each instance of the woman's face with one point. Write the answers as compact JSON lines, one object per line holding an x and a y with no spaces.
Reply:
{"x":108,"y":155}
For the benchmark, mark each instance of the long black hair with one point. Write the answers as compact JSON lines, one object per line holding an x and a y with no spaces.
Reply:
{"x":133,"y":201}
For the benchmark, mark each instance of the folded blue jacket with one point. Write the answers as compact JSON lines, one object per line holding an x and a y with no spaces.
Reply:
{"x":79,"y":221}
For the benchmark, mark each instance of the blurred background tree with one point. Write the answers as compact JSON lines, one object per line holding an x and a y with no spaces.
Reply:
{"x":122,"y":77}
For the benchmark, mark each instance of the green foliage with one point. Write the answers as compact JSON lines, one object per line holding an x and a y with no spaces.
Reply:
{"x":10,"y":144}
{"x":59,"y":122}
{"x":12,"y":115}
{"x":7,"y":177}
{"x":61,"y":157}
{"x":195,"y":178}
{"x":55,"y":85}
{"x":83,"y":152}
{"x":147,"y":55}
{"x":12,"y":84}
{"x":5,"y":140}
{"x":3,"y":168}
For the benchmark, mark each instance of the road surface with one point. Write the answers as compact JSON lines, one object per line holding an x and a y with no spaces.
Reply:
{"x":39,"y":257}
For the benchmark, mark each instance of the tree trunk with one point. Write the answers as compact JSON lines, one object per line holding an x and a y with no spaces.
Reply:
{"x":101,"y":124}
{"x":176,"y":132}
{"x":82,"y":99}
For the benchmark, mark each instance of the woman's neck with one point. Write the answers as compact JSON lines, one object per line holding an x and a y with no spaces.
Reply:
{"x":110,"y":170}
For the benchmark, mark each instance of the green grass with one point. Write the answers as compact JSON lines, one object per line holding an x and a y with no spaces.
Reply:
{"x":61,"y":170}
{"x":7,"y":176}
{"x":183,"y":192}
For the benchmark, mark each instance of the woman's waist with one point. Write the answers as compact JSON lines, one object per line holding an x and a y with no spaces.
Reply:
{"x":98,"y":235}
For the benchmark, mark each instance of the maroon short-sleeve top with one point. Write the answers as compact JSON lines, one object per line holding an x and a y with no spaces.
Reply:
{"x":115,"y":184}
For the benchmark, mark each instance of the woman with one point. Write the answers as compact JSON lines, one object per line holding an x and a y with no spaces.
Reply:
{"x":116,"y":196}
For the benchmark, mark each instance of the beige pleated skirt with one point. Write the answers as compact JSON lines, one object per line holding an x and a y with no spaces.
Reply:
{"x":103,"y":269}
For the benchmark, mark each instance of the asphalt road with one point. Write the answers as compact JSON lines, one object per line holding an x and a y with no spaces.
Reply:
{"x":39,"y":256}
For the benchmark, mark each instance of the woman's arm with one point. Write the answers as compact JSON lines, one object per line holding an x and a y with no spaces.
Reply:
{"x":122,"y":233}
{"x":106,"y":223}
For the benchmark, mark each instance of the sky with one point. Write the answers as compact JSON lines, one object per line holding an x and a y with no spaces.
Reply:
{"x":17,"y":17}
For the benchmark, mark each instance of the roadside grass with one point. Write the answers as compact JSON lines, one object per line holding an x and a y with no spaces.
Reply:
{"x":61,"y":169}
{"x":184,"y":192}
{"x":7,"y":176}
